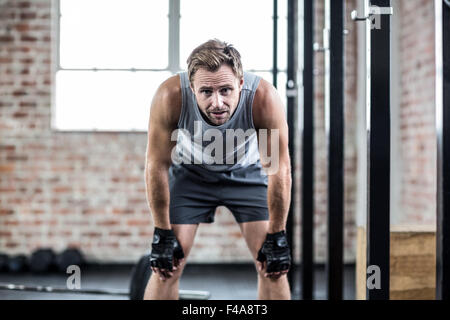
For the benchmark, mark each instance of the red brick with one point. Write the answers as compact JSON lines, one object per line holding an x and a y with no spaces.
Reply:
{"x":27,"y":38}
{"x":26,"y":61}
{"x":11,"y":222}
{"x":6,"y":168}
{"x":24,"y":4}
{"x":19,"y":93}
{"x":6,"y":83}
{"x":6,"y":38}
{"x":61,"y":234}
{"x":6,"y":212}
{"x":91,"y":234}
{"x":63,"y":211}
{"x":17,"y":158}
{"x":28,"y":104}
{"x":28,"y":16}
{"x":11,"y":245}
{"x":94,"y":211}
{"x":123,"y":211}
{"x":6,"y":60}
{"x":120,"y":234}
{"x":145,"y":234}
{"x":21,"y":27}
{"x":6,"y":104}
{"x":106,"y":223}
{"x":5,"y":147}
{"x":138,"y":222}
{"x":7,"y":15}
{"x":20,"y":114}
{"x":43,"y":93}
{"x":62,"y":189}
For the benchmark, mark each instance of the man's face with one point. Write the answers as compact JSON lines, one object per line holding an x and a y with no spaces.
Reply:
{"x":217,"y":93}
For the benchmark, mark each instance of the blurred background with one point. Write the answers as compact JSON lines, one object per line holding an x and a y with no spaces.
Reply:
{"x":76,"y":82}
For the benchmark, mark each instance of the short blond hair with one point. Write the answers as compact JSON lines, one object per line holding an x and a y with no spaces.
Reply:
{"x":211,"y":55}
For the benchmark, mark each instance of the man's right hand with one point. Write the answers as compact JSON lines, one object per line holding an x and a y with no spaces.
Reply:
{"x":167,"y":253}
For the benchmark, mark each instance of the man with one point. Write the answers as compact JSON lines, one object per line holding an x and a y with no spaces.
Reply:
{"x":216,"y":99}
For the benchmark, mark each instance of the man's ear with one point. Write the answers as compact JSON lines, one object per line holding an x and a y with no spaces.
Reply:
{"x":241,"y":83}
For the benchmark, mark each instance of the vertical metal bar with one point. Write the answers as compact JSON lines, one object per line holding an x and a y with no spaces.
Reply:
{"x":275,"y":44}
{"x":292,"y":103}
{"x":174,"y":36}
{"x":58,"y":35}
{"x":335,"y":138}
{"x":378,"y":233}
{"x":307,"y":279}
{"x":326,"y":58}
{"x":56,"y":57}
{"x":443,"y":149}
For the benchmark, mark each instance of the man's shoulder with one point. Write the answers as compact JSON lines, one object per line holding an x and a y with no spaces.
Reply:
{"x":264,"y":94}
{"x":265,"y":103}
{"x":264,"y":88}
{"x":170,"y":89}
{"x":169,"y":99}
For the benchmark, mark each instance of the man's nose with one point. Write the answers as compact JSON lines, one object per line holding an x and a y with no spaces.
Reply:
{"x":217,"y":100}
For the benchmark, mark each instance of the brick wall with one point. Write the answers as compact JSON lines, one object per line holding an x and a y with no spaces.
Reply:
{"x":417,"y":137}
{"x":73,"y":189}
{"x":60,"y":189}
{"x":87,"y":189}
{"x":320,"y":141}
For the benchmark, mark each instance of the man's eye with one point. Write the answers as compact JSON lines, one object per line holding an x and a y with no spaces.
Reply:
{"x":225,"y":90}
{"x":206,"y":91}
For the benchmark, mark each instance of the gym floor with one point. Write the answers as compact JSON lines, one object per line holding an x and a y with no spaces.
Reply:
{"x":224,"y":282}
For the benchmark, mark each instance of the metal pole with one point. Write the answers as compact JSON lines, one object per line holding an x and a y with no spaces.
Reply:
{"x":443,"y":149}
{"x":174,"y":36}
{"x":275,"y":44}
{"x":307,"y":278}
{"x":335,"y":137}
{"x":292,"y":103}
{"x":183,"y":294}
{"x":378,"y":202}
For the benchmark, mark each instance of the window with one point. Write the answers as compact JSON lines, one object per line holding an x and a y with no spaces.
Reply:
{"x":113,"y":54}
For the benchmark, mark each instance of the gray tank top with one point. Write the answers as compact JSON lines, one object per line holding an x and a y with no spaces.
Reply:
{"x":229,"y":150}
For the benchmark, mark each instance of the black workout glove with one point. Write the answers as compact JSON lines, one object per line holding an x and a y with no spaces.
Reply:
{"x":275,"y":250}
{"x":165,"y":247}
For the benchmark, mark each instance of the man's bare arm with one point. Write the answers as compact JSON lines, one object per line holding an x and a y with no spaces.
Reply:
{"x":268,"y":114}
{"x":164,"y":114}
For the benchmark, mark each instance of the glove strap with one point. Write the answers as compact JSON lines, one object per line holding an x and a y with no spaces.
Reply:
{"x":164,"y":232}
{"x":276,"y":235}
{"x":162,"y":235}
{"x":278,"y":238}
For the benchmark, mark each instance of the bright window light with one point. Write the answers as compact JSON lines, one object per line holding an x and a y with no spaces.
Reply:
{"x":247,"y":24}
{"x":113,"y":54}
{"x":106,"y":101}
{"x":114,"y":34}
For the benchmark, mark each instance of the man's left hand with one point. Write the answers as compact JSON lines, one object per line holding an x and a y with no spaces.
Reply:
{"x":274,"y":255}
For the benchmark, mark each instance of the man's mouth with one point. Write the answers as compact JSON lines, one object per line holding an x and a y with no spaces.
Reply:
{"x":219,"y":114}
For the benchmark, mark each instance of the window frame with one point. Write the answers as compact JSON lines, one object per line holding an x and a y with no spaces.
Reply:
{"x":173,"y":66}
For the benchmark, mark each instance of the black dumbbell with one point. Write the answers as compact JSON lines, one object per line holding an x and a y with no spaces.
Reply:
{"x":18,"y":263}
{"x":3,"y":262}
{"x":42,"y":260}
{"x":70,"y":256}
{"x":140,"y":274}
